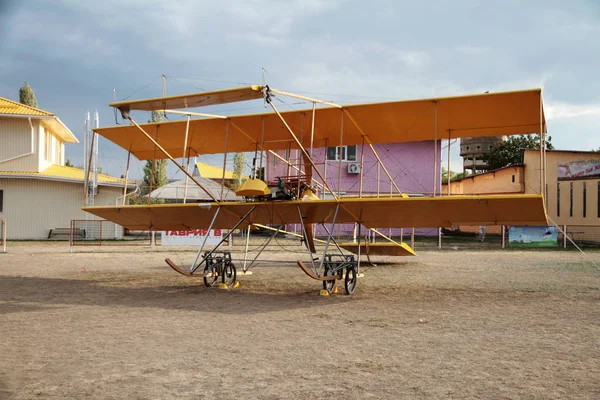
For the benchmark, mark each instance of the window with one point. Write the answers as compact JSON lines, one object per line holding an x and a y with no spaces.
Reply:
{"x":571,"y":200}
{"x":584,"y":200}
{"x":343,"y":153}
{"x":513,"y":179}
{"x":558,"y":199}
{"x":1,"y":199}
{"x":275,"y":159}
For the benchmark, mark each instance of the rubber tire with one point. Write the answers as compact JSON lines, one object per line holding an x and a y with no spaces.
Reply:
{"x":209,"y":281}
{"x":350,"y":279}
{"x":329,"y":285}
{"x":228,"y":274}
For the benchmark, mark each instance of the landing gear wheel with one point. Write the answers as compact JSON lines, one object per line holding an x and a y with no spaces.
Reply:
{"x":350,"y":279}
{"x":229,"y":274}
{"x":329,"y":285}
{"x":211,"y":280}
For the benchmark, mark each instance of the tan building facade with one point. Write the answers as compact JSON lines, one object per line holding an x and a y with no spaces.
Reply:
{"x":573,"y":201}
{"x":37,"y":191}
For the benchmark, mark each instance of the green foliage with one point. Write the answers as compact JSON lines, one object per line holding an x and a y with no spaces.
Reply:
{"x":509,"y":152}
{"x":239,"y":163}
{"x":156,"y":117}
{"x":26,"y":96}
{"x":453,"y":175}
{"x":68,"y":163}
{"x":155,"y":173}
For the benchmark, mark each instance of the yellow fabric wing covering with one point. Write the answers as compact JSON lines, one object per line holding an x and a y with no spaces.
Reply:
{"x":192,"y":100}
{"x":379,"y":249}
{"x":394,"y":212}
{"x":491,"y":114}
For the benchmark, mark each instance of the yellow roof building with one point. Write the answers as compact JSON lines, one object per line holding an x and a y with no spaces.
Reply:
{"x":211,"y":172}
{"x":38,"y":192}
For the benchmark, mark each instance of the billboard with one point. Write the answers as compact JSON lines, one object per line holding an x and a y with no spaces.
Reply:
{"x":532,"y":236}
{"x":583,"y":169}
{"x":191,"y":238}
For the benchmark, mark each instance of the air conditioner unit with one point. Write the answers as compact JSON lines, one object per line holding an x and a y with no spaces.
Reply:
{"x":354,"y":168}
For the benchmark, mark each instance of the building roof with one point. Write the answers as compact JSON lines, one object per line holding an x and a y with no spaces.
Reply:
{"x":565,"y":151}
{"x":175,"y":191}
{"x":492,"y":171}
{"x":64,"y":173}
{"x":9,"y":108}
{"x":211,"y":172}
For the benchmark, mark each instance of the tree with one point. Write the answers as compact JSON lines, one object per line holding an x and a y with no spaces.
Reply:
{"x":239,"y":163}
{"x":509,"y":152}
{"x":453,"y":175}
{"x":155,"y":171}
{"x":26,"y":96}
{"x":68,"y":163}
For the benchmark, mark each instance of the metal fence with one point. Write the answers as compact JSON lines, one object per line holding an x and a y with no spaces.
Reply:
{"x":497,"y":237}
{"x":3,"y":235}
{"x":102,"y":233}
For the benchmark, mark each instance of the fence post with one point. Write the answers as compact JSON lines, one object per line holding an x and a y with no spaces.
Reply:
{"x":3,"y":232}
{"x":153,"y":240}
{"x":564,"y":236}
{"x":412,"y":239}
{"x":71,"y":236}
{"x":503,"y":236}
{"x":440,"y":238}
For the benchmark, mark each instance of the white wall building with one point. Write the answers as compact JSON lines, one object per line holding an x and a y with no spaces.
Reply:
{"x":37,"y":191}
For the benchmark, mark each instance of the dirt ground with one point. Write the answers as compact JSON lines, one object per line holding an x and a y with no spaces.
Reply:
{"x":118,"y":323}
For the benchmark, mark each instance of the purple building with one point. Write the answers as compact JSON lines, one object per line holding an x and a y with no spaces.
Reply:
{"x":411,"y":165}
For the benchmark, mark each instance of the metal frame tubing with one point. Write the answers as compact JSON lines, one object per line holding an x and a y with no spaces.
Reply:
{"x":302,"y":149}
{"x":172,"y":159}
{"x":261,"y":250}
{"x":337,"y":208}
{"x":192,"y":269}
{"x":126,"y":177}
{"x":246,"y":247}
{"x":187,"y":129}
{"x":224,"y":238}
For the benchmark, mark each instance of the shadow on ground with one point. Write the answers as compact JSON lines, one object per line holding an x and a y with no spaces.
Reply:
{"x":21,"y":294}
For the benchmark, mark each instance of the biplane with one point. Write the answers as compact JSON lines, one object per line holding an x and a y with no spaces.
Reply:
{"x":302,"y":200}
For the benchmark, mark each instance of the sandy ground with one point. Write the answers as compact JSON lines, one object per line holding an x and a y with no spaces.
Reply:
{"x":450,"y":324}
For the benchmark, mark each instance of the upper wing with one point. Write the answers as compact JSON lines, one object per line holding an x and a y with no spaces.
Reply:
{"x":192,"y":100}
{"x":489,"y":114}
{"x":395,"y":212}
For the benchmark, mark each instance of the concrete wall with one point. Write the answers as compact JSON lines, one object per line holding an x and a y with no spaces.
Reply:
{"x":16,"y":141}
{"x":532,"y":179}
{"x":506,"y":180}
{"x":33,"y":206}
{"x":409,"y":164}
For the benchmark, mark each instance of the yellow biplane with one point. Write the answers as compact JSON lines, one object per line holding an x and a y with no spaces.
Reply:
{"x":324,"y":125}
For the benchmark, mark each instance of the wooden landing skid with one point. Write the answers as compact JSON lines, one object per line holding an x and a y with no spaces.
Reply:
{"x":183,"y":271}
{"x":309,"y":238}
{"x":311,"y":274}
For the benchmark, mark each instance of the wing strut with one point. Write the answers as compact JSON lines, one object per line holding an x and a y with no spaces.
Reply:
{"x":170,"y":157}
{"x":302,"y":149}
{"x":226,"y":237}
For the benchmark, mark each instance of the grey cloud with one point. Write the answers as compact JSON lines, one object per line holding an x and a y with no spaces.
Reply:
{"x":75,"y":52}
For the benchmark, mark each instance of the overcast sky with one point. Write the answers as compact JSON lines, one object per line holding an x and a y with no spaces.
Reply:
{"x":74,"y":52}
